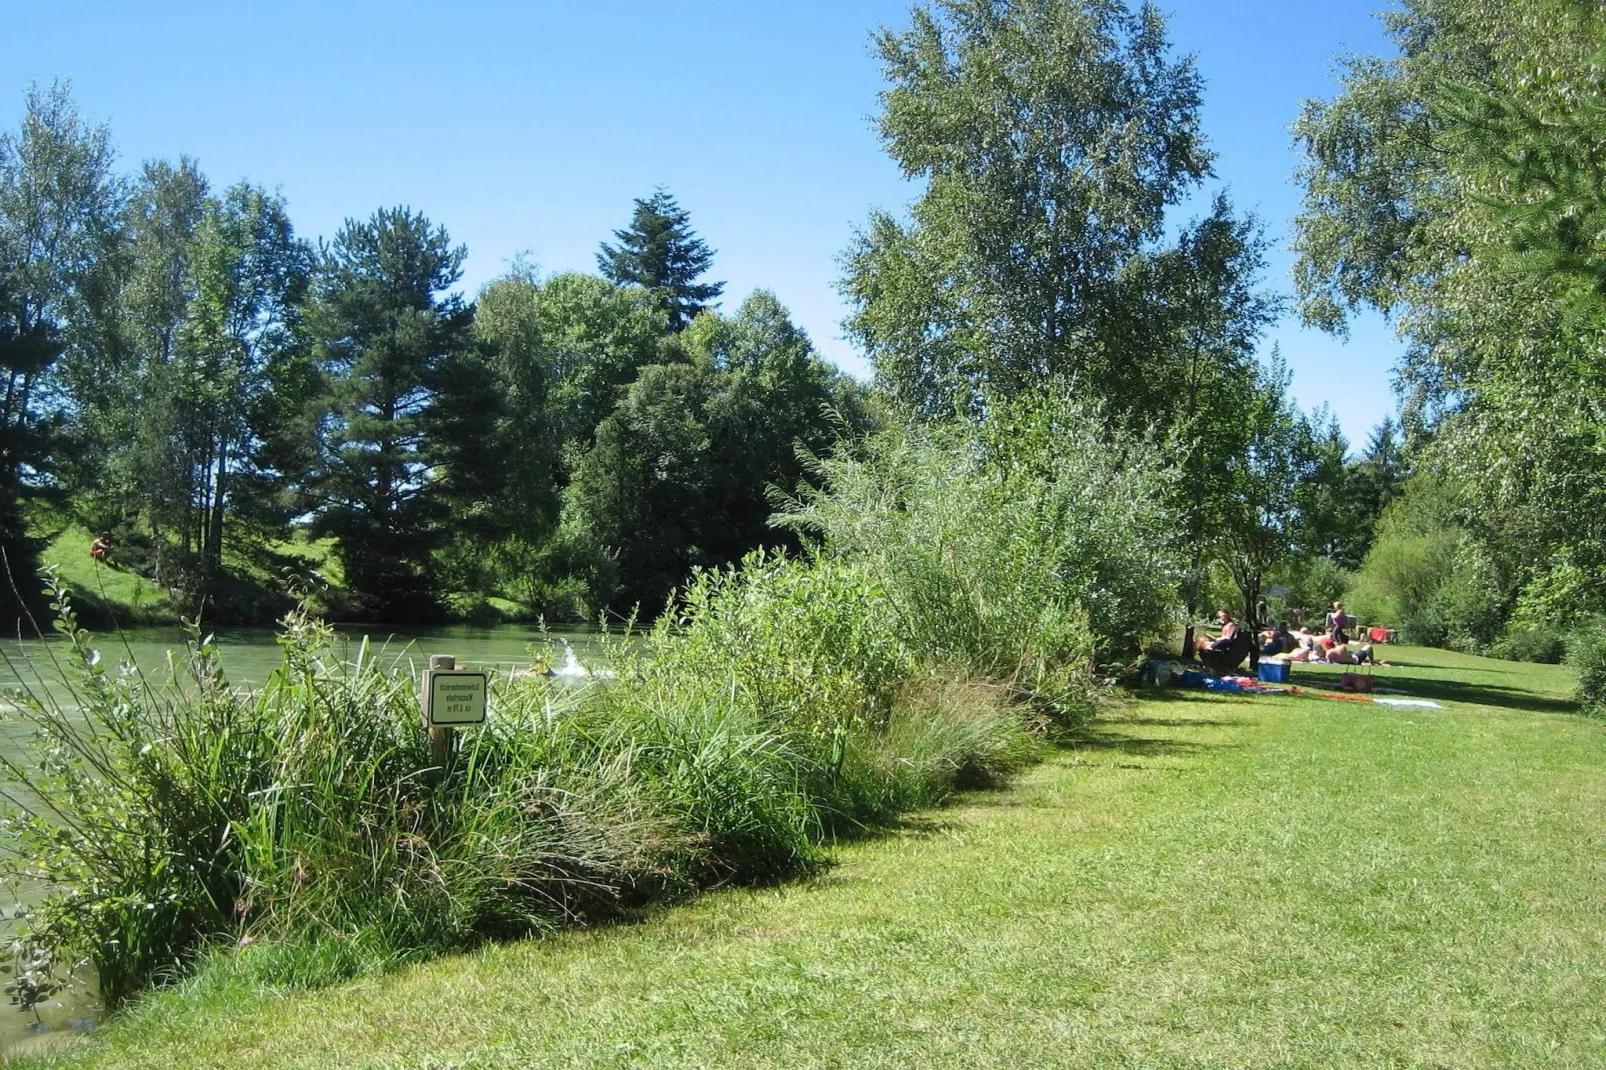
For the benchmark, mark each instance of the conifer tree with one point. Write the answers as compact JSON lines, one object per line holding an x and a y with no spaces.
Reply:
{"x":394,"y":344}
{"x":659,"y":251}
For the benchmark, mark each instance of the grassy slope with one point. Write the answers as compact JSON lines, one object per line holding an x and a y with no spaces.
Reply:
{"x":1207,"y":882}
{"x":104,"y":593}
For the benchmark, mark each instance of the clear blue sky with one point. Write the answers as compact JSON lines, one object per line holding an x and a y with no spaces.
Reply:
{"x":529,"y":127}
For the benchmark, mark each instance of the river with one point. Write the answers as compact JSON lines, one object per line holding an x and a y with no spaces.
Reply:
{"x":248,"y":656}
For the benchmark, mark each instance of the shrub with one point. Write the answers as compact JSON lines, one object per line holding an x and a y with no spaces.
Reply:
{"x":1542,"y":645}
{"x":1030,"y":553}
{"x":1427,"y":577}
{"x":1315,"y":583}
{"x":167,"y":815}
{"x":1586,"y":653}
{"x":164,"y":814}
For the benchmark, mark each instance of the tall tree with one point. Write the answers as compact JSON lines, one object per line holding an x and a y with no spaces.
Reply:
{"x":58,"y":230}
{"x":1454,"y":187}
{"x":1375,"y":479}
{"x":124,"y":471}
{"x":391,"y":338}
{"x":772,"y":399}
{"x":641,"y":490}
{"x":1051,"y":136}
{"x":219,"y":401}
{"x":1254,"y":518}
{"x":660,"y":252}
{"x":597,"y":336}
{"x":679,"y":473}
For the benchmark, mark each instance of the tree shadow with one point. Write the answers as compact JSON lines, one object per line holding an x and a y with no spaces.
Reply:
{"x":1097,"y":739}
{"x":1185,"y":722}
{"x":1511,"y":698}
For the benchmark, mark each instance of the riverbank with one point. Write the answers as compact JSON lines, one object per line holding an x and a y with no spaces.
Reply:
{"x":109,"y":596}
{"x":1204,"y":880}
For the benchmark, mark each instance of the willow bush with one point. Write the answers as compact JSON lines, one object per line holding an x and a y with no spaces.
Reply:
{"x":1034,"y":552}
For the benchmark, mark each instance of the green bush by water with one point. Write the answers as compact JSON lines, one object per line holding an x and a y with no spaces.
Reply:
{"x":1032,"y":553}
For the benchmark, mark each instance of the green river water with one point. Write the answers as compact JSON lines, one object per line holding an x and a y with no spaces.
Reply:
{"x":248,"y":656}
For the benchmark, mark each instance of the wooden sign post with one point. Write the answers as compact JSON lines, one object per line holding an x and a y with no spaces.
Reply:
{"x":450,"y":697}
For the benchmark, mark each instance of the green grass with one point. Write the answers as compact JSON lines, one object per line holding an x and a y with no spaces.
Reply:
{"x":1206,"y":881}
{"x":104,"y":593}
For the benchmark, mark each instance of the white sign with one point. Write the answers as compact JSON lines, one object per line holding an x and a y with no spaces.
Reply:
{"x":454,"y":697}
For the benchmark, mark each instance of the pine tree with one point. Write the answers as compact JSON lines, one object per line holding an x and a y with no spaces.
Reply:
{"x":660,"y":252}
{"x":394,"y":344}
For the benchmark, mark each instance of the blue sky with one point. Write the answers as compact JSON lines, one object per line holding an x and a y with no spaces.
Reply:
{"x":529,"y":127}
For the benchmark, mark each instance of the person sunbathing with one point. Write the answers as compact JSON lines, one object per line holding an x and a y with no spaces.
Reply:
{"x":1229,"y":631}
{"x":1276,"y":641}
{"x":1352,"y":654}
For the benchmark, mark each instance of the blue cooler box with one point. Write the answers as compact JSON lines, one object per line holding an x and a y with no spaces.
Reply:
{"x":1274,"y":672}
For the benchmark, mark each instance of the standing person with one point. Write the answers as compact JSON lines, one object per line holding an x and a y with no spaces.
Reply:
{"x":1337,"y":621}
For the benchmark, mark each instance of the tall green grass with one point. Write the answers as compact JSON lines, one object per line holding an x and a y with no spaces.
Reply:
{"x":959,"y":590}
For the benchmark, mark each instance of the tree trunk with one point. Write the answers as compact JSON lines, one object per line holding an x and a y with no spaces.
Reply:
{"x":1251,"y":598}
{"x":213,"y":552}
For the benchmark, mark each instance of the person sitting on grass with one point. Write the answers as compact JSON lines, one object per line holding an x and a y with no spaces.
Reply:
{"x":1229,"y":631}
{"x":101,"y":548}
{"x":1275,"y":641}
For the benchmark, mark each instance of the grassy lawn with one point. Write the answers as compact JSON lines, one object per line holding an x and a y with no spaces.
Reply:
{"x":105,"y":593}
{"x":1205,"y":882}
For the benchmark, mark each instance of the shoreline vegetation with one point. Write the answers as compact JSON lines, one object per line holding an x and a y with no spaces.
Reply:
{"x":936,"y":631}
{"x":844,"y":603}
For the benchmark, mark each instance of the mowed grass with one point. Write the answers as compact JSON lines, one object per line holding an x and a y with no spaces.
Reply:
{"x":1206,"y":881}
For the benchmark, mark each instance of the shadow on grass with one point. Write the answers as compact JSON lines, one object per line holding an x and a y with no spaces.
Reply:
{"x":1193,"y":695}
{"x":1097,"y":739}
{"x":1184,"y":722}
{"x":1511,"y":698}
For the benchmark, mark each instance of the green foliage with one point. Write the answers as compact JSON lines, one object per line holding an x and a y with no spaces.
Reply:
{"x":1454,"y":186}
{"x":1426,"y":576}
{"x":219,"y":414}
{"x":678,"y":474}
{"x":660,"y":253}
{"x":1314,"y":582}
{"x":957,"y":574}
{"x":1586,"y":655}
{"x":814,"y":646}
{"x":1027,"y":552}
{"x":562,"y":351}
{"x":393,"y":345}
{"x":58,"y":207}
{"x":1541,"y":645}
{"x":1050,"y":139}
{"x":164,"y":815}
